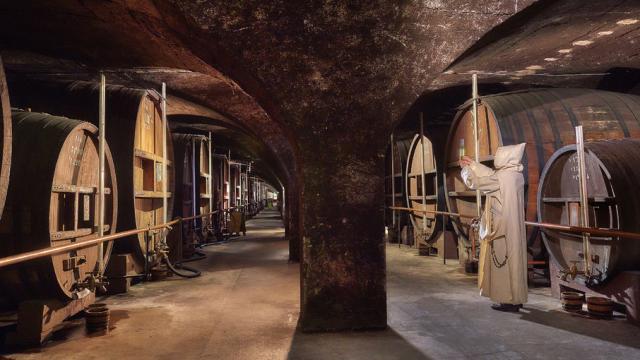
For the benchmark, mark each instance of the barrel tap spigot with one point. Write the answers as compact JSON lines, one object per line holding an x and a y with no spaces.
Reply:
{"x":96,"y":282}
{"x":570,"y":273}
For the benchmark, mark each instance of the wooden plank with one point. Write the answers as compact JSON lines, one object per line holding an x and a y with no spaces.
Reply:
{"x":576,"y":199}
{"x":62,"y":235}
{"x":419,"y":198}
{"x":151,"y":194}
{"x":150,"y":156}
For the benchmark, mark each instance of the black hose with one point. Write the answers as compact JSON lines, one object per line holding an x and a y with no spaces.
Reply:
{"x":176,"y":269}
{"x":200,"y":256}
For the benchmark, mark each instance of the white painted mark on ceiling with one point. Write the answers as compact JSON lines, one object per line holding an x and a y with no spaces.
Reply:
{"x":550,"y":59}
{"x":582,"y":42}
{"x":627,"y":22}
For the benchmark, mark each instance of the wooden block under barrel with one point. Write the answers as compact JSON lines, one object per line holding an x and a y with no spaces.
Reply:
{"x":38,"y":319}
{"x":118,"y":272}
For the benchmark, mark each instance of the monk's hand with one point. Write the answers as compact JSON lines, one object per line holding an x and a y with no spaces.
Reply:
{"x":465,"y":161}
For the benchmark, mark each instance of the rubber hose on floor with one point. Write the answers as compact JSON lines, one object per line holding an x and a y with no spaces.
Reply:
{"x":200,"y":256}
{"x":193,"y":273}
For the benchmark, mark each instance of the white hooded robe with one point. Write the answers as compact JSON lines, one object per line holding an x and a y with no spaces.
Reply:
{"x":502,"y":268}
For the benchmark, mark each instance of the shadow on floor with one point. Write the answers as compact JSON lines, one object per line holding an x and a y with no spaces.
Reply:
{"x":607,"y":330}
{"x":370,"y":345}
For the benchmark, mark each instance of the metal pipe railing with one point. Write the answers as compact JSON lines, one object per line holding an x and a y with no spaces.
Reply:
{"x":54,"y":250}
{"x":566,"y":228}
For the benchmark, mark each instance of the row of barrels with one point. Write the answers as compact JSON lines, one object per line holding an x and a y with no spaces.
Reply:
{"x":545,"y":120}
{"x":49,"y":178}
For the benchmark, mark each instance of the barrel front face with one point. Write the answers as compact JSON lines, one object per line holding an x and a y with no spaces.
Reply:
{"x":73,"y":209}
{"x":545,"y":120}
{"x":54,"y":201}
{"x":148,"y":179}
{"x":422,"y":148}
{"x":462,"y":142}
{"x":612,"y":190}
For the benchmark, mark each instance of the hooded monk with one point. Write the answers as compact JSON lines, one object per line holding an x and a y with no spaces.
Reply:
{"x":502,"y":272}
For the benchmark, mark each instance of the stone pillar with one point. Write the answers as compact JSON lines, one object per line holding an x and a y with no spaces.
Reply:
{"x":343,"y":264}
{"x":292,"y":224}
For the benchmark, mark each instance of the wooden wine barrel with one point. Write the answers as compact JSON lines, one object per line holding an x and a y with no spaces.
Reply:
{"x":5,"y":137}
{"x":221,"y":181}
{"x":204,"y":190}
{"x":184,"y":192}
{"x":545,"y":120}
{"x":401,"y":151}
{"x":234,"y":181}
{"x":613,"y":189}
{"x":134,"y":131}
{"x":192,"y":159}
{"x":53,"y":201}
{"x":413,"y":183}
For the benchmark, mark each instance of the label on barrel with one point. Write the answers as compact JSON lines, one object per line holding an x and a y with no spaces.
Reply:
{"x":86,"y":213}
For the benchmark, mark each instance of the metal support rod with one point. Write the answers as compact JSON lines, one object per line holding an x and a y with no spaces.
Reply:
{"x":195,"y":180}
{"x":210,"y":182}
{"x":476,"y":138}
{"x":584,"y":201}
{"x":393,"y":185}
{"x":101,"y":166}
{"x":229,"y":182}
{"x":54,"y":250}
{"x":476,"y":135}
{"x":165,"y":199}
{"x":422,"y":177}
{"x":241,"y":185}
{"x":444,"y":240}
{"x":146,"y":256}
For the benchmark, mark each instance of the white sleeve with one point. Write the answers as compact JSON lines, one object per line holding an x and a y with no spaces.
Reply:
{"x":479,"y":177}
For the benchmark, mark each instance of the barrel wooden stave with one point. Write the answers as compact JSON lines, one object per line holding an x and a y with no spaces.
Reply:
{"x":41,"y":210}
{"x":400,"y":152}
{"x":613,"y":178}
{"x":545,"y":120}
{"x":5,"y":137}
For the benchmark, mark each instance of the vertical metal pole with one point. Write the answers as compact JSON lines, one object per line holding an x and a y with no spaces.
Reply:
{"x":584,"y":200}
{"x":393,"y":185}
{"x":165,"y":200}
{"x":210,"y":182}
{"x":101,"y":174}
{"x":476,"y":138}
{"x":229,"y":182}
{"x":195,"y":180}
{"x":422,"y":177}
{"x":444,"y":241}
{"x":476,"y":135}
{"x":243,"y":185}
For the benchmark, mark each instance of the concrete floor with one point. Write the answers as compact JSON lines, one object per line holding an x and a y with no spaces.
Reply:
{"x":245,"y":306}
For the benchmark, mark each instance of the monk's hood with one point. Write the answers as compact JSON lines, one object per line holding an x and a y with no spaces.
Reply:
{"x":509,"y":157}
